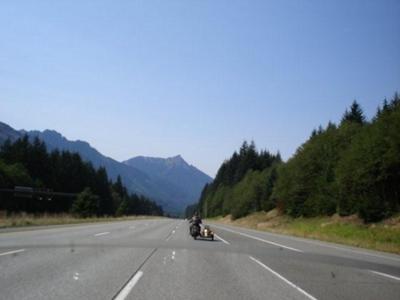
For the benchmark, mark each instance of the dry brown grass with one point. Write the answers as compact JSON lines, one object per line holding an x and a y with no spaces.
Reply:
{"x":23,"y":219}
{"x":350,"y":230}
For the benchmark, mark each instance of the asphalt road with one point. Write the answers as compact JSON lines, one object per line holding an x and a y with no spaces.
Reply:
{"x":157,"y":259}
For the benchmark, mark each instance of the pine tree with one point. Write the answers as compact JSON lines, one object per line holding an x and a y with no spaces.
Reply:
{"x":102,"y":189}
{"x":355,"y":114}
{"x":119,"y":188}
{"x":86,"y":204}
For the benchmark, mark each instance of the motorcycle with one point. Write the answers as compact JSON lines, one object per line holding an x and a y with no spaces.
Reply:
{"x":206,"y":232}
{"x":195,"y":231}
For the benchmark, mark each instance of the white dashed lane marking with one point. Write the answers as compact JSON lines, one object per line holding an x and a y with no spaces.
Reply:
{"x":12,"y":252}
{"x":101,"y":233}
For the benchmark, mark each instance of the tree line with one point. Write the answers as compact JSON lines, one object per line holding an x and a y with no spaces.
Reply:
{"x":348,"y":168}
{"x":28,"y":163}
{"x":242,"y":184}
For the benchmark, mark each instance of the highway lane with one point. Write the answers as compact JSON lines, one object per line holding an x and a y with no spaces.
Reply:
{"x":75,"y":262}
{"x":325,"y":270}
{"x":157,"y":259}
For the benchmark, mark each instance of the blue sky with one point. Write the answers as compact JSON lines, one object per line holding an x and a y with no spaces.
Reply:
{"x":195,"y":78}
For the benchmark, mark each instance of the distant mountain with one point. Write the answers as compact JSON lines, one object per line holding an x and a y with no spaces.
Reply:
{"x":175,"y":171}
{"x":7,"y":132}
{"x":171,"y":196}
{"x":134,"y":179}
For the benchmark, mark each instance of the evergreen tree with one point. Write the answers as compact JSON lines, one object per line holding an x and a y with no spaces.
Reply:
{"x":355,"y":114}
{"x":222,"y":197}
{"x":86,"y":204}
{"x":119,"y":188}
{"x":353,"y":168}
{"x":29,"y":164}
{"x":368,"y":174}
{"x":102,"y":189}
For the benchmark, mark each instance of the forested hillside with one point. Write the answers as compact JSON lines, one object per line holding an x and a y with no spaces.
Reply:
{"x":347,"y":168}
{"x":243,"y":183}
{"x":171,"y":182}
{"x":29,"y":164}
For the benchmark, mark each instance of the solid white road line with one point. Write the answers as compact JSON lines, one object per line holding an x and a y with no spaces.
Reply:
{"x":129,"y":286}
{"x":348,"y":250}
{"x":283,"y":278}
{"x":220,"y":238}
{"x":12,"y":252}
{"x":322,"y":244}
{"x":101,"y":233}
{"x":385,"y":275}
{"x":260,"y":239}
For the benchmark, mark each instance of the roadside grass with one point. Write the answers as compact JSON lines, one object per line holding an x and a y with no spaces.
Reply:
{"x":382,"y":236}
{"x":23,"y":219}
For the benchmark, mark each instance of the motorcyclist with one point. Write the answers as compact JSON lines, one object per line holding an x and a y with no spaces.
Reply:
{"x":196,"y":220}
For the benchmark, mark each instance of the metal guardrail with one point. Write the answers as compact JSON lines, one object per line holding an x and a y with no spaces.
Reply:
{"x":28,"y":191}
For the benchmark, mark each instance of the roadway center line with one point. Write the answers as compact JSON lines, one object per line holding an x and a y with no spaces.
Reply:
{"x":260,"y":239}
{"x":102,"y":233}
{"x":12,"y":252}
{"x":129,"y":286}
{"x":283,"y":278}
{"x":220,"y":238}
{"x":385,"y":275}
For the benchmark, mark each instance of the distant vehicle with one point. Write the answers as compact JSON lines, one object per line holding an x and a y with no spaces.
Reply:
{"x":197,"y":232}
